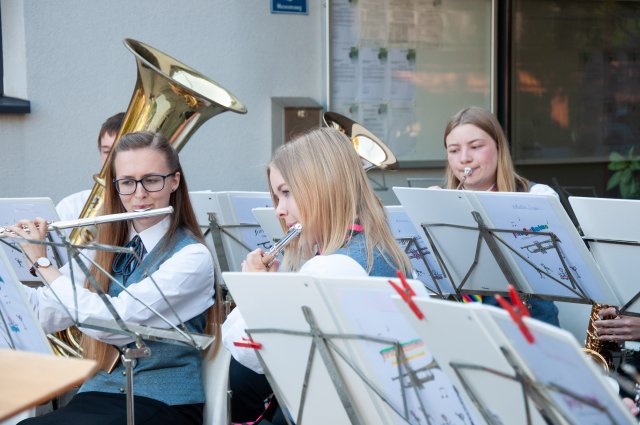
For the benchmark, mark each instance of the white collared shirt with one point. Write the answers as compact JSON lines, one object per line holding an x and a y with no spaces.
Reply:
{"x":186,"y":280}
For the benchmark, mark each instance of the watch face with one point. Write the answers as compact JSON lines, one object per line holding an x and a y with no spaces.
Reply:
{"x":43,"y":262}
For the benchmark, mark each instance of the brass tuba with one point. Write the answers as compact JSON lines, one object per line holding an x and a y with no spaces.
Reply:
{"x":372,"y":151}
{"x":170,"y":98}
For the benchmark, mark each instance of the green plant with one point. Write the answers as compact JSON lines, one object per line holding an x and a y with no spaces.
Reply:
{"x":626,"y":174}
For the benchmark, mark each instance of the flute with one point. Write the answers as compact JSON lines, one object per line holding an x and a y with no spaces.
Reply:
{"x":92,"y":221}
{"x":467,"y":173}
{"x":270,"y":256}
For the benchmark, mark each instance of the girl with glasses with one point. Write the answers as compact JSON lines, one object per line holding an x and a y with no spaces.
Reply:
{"x":146,"y":174}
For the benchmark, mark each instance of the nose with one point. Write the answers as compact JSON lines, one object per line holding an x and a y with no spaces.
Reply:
{"x":281,"y":211}
{"x":140,"y":190}
{"x":465,"y":155}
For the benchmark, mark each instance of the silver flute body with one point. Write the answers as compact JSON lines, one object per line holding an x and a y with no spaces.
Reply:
{"x":92,"y":221}
{"x":293,"y":232}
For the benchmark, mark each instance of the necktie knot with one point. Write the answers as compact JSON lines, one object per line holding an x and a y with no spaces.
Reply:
{"x":124,"y":263}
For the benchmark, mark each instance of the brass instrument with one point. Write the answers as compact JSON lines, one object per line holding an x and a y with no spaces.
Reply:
{"x":170,"y":98}
{"x":467,"y":173}
{"x":370,"y":148}
{"x":600,"y":351}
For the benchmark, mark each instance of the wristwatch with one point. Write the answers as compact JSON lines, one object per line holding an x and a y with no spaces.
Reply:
{"x":42,"y":262}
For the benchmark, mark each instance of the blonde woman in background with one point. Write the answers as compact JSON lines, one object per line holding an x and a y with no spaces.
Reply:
{"x":316,"y":180}
{"x":475,"y":140}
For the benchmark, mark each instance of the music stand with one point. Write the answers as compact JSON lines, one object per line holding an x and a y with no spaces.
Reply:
{"x":610,"y":227}
{"x":487,"y":240}
{"x":229,"y":215}
{"x":505,"y":376}
{"x":14,"y":209}
{"x":369,"y":361}
{"x":174,"y":333}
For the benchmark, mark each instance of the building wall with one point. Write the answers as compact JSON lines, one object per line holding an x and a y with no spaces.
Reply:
{"x":68,"y":58}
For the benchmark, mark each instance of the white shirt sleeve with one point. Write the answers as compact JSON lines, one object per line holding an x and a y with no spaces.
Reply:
{"x":70,"y":207}
{"x":543,"y":189}
{"x":233,"y":329}
{"x":186,"y":280}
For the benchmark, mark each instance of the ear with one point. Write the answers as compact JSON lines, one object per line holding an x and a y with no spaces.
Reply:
{"x":175,"y":181}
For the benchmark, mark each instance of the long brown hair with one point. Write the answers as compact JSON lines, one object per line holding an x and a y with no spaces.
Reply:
{"x":117,"y":233}
{"x":327,"y":180}
{"x":507,"y":180}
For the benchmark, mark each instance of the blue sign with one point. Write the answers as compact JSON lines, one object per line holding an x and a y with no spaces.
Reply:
{"x":296,"y":7}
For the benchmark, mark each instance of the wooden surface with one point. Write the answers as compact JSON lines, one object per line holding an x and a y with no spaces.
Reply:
{"x":30,"y":379}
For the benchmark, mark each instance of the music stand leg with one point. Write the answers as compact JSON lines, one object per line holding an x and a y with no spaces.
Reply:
{"x":128,"y":358}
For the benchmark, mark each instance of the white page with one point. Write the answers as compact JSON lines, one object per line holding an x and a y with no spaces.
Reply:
{"x":365,"y":308}
{"x":274,"y":300}
{"x":14,"y":209}
{"x":420,"y":251}
{"x":613,"y":219}
{"x":544,"y":213}
{"x":556,"y":358}
{"x":456,"y":246}
{"x":19,"y":327}
{"x":455,"y":335}
{"x":233,"y":209}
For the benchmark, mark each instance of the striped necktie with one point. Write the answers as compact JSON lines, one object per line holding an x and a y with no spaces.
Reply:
{"x":125,"y":263}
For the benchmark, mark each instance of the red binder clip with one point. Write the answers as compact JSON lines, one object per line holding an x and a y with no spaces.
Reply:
{"x":406,"y":292}
{"x":517,"y":310}
{"x":248,"y":343}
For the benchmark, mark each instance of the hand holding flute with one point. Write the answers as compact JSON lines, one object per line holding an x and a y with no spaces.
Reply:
{"x":260,"y":261}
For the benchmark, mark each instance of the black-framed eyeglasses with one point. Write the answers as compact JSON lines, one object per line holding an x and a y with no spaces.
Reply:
{"x":150,"y":183}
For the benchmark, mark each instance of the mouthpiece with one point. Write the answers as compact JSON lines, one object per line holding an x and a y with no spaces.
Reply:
{"x":467,"y":171}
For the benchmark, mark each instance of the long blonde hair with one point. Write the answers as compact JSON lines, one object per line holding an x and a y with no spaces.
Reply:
{"x":117,"y":233}
{"x":332,"y":192}
{"x":507,"y":180}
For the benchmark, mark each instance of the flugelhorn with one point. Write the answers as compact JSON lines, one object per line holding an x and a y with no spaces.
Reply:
{"x":94,"y":221}
{"x":372,"y":152}
{"x":170,"y":98}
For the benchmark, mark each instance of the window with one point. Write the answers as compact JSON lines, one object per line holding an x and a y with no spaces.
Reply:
{"x":8,"y":104}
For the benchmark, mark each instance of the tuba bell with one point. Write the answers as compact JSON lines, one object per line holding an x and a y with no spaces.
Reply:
{"x":170,"y":98}
{"x":372,"y":152}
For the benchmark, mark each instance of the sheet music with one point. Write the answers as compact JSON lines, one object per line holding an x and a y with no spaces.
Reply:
{"x":19,"y":327}
{"x":11,"y":211}
{"x":406,"y":234}
{"x":369,"y":310}
{"x":556,"y":358}
{"x":540,"y":213}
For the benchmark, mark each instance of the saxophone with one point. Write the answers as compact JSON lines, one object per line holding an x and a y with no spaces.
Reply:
{"x":600,"y":351}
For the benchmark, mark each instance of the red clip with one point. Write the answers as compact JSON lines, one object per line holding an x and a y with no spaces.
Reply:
{"x":517,"y":310}
{"x":248,"y":343}
{"x":406,"y":292}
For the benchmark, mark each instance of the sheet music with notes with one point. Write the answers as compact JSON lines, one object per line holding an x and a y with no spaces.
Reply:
{"x":19,"y":327}
{"x":419,"y":251}
{"x":344,"y":306}
{"x":14,"y":209}
{"x":554,"y":358}
{"x":510,"y":216}
{"x":233,"y":209}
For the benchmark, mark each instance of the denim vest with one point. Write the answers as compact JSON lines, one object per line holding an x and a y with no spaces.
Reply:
{"x":356,"y":248}
{"x":172,"y":374}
